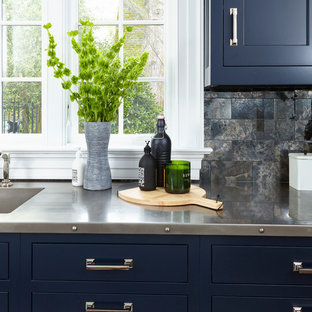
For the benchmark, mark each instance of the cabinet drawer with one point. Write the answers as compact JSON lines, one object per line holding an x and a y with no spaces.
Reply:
{"x":146,"y":263}
{"x":4,"y":261}
{"x":260,"y":265}
{"x":77,"y":303}
{"x":260,"y":304}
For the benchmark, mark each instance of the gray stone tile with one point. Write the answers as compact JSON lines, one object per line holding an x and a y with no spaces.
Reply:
{"x":266,"y":172}
{"x":267,"y":132}
{"x":268,"y":107}
{"x":255,"y":143}
{"x":205,"y":174}
{"x":222,"y":150}
{"x":265,"y":191}
{"x":299,"y":129}
{"x":304,"y":94}
{"x":303,"y":109}
{"x":285,"y":130}
{"x":247,"y":109}
{"x":270,"y":95}
{"x":218,"y":108}
{"x":207,"y":129}
{"x":259,"y":126}
{"x":215,"y":95}
{"x":227,"y":173}
{"x":284,"y":109}
{"x":253,"y":150}
{"x":283,"y":148}
{"x":242,"y":192}
{"x":248,"y":95}
{"x":231,"y":130}
{"x":282,"y":95}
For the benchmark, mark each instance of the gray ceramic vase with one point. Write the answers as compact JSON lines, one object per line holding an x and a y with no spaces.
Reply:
{"x":97,"y":173}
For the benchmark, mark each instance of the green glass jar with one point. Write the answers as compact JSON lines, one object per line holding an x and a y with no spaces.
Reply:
{"x":178,"y":177}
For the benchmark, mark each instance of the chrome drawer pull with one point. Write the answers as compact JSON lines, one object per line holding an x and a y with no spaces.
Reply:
{"x":90,"y":265}
{"x":297,"y":309}
{"x":90,"y":308}
{"x":298,"y":267}
{"x":234,"y":40}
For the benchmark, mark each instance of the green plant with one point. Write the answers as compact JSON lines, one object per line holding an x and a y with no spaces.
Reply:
{"x":102,"y":81}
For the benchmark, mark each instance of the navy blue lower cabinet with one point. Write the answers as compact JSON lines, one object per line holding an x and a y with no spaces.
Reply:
{"x":260,"y":304}
{"x":4,"y":302}
{"x":10,"y":272}
{"x":84,"y":273}
{"x":68,"y":302}
{"x":4,"y":261}
{"x":267,"y":42}
{"x":134,"y":273}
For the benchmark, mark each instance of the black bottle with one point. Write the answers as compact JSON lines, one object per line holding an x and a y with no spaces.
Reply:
{"x":161,"y":149}
{"x":147,"y":170}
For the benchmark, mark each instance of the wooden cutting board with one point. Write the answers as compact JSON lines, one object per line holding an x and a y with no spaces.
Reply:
{"x":160,"y":197}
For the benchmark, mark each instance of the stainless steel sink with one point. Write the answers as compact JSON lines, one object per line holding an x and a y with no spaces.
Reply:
{"x":12,"y":198}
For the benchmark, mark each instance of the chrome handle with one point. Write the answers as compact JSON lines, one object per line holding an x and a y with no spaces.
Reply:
{"x":90,"y":265}
{"x":298,"y":267}
{"x":234,"y":40}
{"x":297,"y":309}
{"x":90,"y":308}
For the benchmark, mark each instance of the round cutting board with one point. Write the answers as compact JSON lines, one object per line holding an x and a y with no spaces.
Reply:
{"x":160,"y":197}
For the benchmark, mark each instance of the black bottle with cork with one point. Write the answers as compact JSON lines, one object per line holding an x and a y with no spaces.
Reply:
{"x":161,"y":149}
{"x":147,"y":170}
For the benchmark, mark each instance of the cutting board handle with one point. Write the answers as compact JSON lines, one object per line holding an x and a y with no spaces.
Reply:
{"x":208,"y":203}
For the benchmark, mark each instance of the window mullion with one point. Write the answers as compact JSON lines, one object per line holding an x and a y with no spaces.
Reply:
{"x":144,"y":22}
{"x":20,"y":23}
{"x":56,"y":96}
{"x":21,"y":79}
{"x":71,"y":116}
{"x":121,"y":54}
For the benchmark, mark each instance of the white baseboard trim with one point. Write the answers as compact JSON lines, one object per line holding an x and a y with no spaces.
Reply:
{"x":55,"y":164}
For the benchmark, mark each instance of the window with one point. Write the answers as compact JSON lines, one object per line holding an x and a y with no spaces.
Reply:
{"x":139,"y":111}
{"x":38,"y":122}
{"x":21,"y":70}
{"x":146,"y":100}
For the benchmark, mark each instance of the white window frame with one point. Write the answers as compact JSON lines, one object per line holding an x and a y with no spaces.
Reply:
{"x":184,"y":95}
{"x":23,"y":139}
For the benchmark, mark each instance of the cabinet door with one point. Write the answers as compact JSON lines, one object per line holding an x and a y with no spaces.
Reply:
{"x":269,"y":33}
{"x":98,"y":302}
{"x":4,"y":302}
{"x":274,"y":42}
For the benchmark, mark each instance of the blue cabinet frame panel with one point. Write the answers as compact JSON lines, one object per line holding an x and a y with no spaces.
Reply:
{"x":261,"y":61}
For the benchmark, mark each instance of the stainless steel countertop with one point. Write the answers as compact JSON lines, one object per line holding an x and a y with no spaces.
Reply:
{"x":249,"y":209}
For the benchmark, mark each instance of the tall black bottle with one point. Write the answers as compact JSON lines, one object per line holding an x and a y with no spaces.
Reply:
{"x":161,"y":149}
{"x":147,"y":170}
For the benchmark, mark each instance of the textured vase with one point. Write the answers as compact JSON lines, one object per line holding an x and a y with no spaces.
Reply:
{"x":97,"y":174}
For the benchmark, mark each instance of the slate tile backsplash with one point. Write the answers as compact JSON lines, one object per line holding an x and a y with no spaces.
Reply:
{"x":252,"y":133}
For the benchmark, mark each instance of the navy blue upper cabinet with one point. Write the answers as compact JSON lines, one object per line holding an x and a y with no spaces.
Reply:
{"x":261,"y":42}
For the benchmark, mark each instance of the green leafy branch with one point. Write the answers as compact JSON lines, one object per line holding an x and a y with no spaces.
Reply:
{"x":102,"y":81}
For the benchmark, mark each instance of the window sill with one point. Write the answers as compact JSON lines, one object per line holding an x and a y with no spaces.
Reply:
{"x":55,"y":162}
